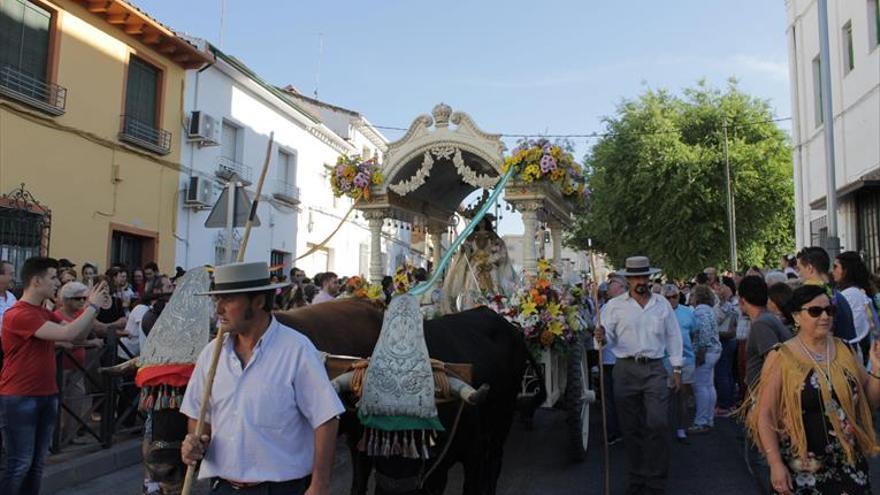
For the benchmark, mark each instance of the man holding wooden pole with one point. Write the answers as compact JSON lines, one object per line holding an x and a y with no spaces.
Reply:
{"x":272,"y":416}
{"x":642,"y":329}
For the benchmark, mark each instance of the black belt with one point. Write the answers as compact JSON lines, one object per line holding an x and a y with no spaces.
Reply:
{"x":640,"y":359}
{"x":244,"y":486}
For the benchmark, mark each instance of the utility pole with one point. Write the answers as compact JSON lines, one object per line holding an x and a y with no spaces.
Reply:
{"x":832,"y":243}
{"x":731,"y":210}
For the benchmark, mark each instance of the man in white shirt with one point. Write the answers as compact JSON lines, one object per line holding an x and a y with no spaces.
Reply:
{"x":273,"y":412}
{"x":641,"y":329}
{"x":7,"y":271}
{"x":329,"y":284}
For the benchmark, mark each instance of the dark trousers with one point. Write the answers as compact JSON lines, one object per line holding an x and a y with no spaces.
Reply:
{"x":292,"y":487}
{"x":28,"y":424}
{"x":725,"y":381}
{"x":610,"y":408}
{"x":641,"y":395}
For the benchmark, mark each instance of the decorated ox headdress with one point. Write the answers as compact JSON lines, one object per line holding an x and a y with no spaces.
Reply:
{"x":174,"y":343}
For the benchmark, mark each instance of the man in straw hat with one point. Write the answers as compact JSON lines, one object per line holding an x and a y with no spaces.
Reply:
{"x":642,"y":329}
{"x":273,"y":413}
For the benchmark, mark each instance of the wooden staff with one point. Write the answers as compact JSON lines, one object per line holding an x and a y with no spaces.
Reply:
{"x":606,"y":481}
{"x":218,"y":341}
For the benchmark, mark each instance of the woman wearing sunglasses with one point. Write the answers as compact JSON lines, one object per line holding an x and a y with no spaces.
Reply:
{"x":814,"y":400}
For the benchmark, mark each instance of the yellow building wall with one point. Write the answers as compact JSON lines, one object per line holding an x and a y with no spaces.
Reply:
{"x":76,"y":165}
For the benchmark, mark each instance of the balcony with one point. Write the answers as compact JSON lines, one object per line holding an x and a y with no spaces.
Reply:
{"x":16,"y":85}
{"x":143,"y":135}
{"x":287,"y":193}
{"x":229,"y":169}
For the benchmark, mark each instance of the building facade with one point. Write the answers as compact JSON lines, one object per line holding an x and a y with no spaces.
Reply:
{"x":854,"y":38}
{"x":91,"y":97}
{"x":231,"y":112}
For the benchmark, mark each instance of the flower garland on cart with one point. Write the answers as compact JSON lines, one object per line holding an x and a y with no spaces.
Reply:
{"x":353,"y":177}
{"x":547,"y":312}
{"x":540,"y":160}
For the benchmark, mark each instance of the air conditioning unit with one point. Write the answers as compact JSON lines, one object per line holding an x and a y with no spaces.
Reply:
{"x":200,"y":192}
{"x":204,"y":129}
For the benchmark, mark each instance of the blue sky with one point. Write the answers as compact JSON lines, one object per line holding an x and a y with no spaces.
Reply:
{"x":515,"y":66}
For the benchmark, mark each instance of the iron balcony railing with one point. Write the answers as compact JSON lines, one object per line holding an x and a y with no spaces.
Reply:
{"x":144,"y":135}
{"x":286,"y":192}
{"x":17,"y":85}
{"x":229,"y":169}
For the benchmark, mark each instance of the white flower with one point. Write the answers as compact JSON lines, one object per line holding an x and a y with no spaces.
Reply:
{"x":805,"y":479}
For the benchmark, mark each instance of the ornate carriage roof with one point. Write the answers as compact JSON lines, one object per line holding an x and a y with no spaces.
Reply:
{"x":449,"y":148}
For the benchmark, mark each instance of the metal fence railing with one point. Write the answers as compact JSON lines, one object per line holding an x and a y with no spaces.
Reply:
{"x":28,"y":89}
{"x":229,"y":169}
{"x":143,"y":134}
{"x":99,"y":407}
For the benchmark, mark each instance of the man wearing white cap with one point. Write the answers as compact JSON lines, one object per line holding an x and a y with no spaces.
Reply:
{"x":273,"y":413}
{"x":641,"y":329}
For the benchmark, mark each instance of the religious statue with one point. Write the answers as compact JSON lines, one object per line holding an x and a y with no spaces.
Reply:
{"x":480,"y":269}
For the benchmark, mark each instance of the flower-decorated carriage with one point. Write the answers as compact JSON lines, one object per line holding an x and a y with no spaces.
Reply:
{"x":422,"y":181}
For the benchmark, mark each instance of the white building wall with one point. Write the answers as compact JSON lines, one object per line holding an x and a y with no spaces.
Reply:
{"x":856,"y":106}
{"x":225,"y":93}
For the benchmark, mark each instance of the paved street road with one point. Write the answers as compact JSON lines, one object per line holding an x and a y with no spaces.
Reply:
{"x":536,"y":464}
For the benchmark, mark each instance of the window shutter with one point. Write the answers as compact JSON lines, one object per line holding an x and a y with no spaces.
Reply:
{"x":35,"y":41}
{"x":11,"y":26}
{"x":141,"y":91}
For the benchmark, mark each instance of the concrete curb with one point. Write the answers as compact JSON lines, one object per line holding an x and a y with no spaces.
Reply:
{"x":58,"y":477}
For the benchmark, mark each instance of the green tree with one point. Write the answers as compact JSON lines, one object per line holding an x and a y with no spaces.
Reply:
{"x":658,"y":185}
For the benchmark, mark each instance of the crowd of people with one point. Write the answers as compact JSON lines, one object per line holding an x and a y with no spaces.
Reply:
{"x":73,"y":313}
{"x":793,"y":351}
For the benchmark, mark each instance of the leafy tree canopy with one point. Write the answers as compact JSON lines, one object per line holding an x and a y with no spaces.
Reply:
{"x":658,"y":188}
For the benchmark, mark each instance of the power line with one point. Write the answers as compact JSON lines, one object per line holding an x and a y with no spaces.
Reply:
{"x":598,"y":134}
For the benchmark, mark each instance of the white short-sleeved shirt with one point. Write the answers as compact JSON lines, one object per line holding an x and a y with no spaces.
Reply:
{"x":857,"y":301}
{"x":133,"y":327}
{"x":5,"y":303}
{"x":263,"y":417}
{"x":650,"y":332}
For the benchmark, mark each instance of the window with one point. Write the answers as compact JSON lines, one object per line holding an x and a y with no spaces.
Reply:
{"x":817,"y":91}
{"x":868,"y":232}
{"x":24,"y":37}
{"x":229,"y":146}
{"x":142,"y":92}
{"x":873,"y":24}
{"x":286,"y":167}
{"x":130,"y":249}
{"x":25,"y":40}
{"x":818,"y":231}
{"x":140,"y":123}
{"x":231,"y":154}
{"x":849,"y":62}
{"x":285,"y":174}
{"x":279,"y":261}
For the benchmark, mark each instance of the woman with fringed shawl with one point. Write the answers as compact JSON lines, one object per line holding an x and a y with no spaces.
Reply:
{"x":812,"y":418}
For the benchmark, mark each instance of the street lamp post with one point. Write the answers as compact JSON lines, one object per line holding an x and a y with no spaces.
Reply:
{"x":731,"y":210}
{"x":832,"y":242}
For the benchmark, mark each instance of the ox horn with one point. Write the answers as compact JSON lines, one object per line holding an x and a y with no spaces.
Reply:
{"x":466,"y":392}
{"x":342,"y":383}
{"x":127,"y":367}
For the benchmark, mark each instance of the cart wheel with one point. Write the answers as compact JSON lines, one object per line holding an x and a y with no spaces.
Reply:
{"x":578,"y":398}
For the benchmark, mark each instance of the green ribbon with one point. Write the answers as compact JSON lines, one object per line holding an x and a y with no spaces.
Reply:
{"x":438,"y":270}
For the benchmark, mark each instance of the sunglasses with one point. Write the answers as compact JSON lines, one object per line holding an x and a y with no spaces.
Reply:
{"x":83,"y":298}
{"x":816,"y":311}
{"x":671,"y":297}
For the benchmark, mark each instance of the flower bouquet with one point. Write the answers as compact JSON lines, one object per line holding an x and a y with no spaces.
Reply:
{"x":542,"y":160}
{"x":358,"y":286}
{"x":353,"y":178}
{"x":545,"y":311}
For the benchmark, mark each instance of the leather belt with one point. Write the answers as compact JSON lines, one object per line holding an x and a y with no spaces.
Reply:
{"x":238,"y":485}
{"x":640,"y":359}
